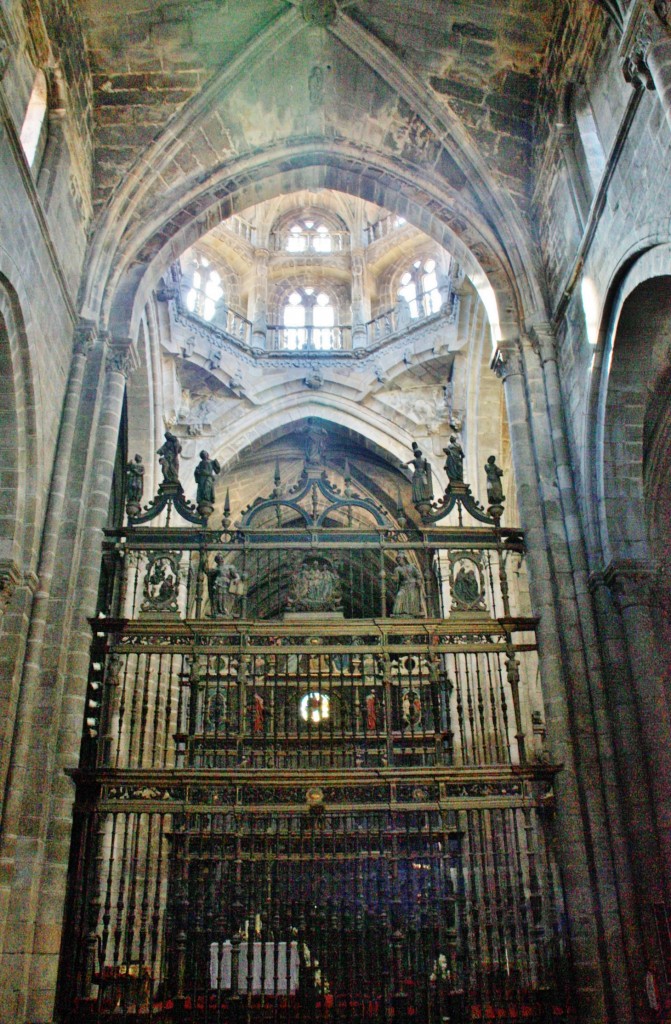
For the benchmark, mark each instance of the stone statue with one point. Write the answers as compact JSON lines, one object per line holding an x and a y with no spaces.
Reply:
{"x":134,"y":482}
{"x":371,"y":711}
{"x":224,"y":585}
{"x":454,"y":463}
{"x":169,"y":453}
{"x":205,"y":472}
{"x":422,"y":487}
{"x":466,"y":589}
{"x":494,"y":488}
{"x":410,"y":598}
{"x":314,"y":448}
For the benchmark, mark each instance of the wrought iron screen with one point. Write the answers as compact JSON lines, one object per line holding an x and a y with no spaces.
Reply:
{"x":312,"y":782}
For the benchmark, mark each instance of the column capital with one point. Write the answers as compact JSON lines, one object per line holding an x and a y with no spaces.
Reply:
{"x":507,"y":361}
{"x":85,"y":336}
{"x":632,"y":583}
{"x":122,"y":357}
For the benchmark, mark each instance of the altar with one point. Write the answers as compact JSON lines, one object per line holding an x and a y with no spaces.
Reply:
{"x":272,"y":971}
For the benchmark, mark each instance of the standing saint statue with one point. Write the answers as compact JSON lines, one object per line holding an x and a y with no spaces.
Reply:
{"x":224,"y":585}
{"x":494,"y":488}
{"x":422,"y":487}
{"x":410,"y":598}
{"x":169,"y":453}
{"x":205,"y":472}
{"x":454,"y":463}
{"x":134,"y":483}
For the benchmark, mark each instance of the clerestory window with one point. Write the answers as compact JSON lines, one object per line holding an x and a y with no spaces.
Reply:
{"x":206,"y":291}
{"x":306,"y":235}
{"x":309,"y":320}
{"x":419,"y":287}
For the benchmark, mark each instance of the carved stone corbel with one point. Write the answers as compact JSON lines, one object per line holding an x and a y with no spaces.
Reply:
{"x":10,"y":577}
{"x":507,"y":361}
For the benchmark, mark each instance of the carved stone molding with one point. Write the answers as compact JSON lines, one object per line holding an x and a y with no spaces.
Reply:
{"x":632,"y":583}
{"x":639,"y":32}
{"x":542,"y":340}
{"x":10,"y":577}
{"x":507,"y":361}
{"x":85,"y":336}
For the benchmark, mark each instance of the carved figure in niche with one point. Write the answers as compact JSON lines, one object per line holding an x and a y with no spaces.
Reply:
{"x":466,"y":589}
{"x":454,"y":463}
{"x":205,"y":472}
{"x":134,"y":482}
{"x":315,"y":586}
{"x":160,"y":585}
{"x":411,"y":707}
{"x":224,"y":586}
{"x":316,"y":85}
{"x":169,"y":453}
{"x":259,"y":713}
{"x":371,"y":711}
{"x":494,"y":488}
{"x":422,"y":486}
{"x":410,"y":597}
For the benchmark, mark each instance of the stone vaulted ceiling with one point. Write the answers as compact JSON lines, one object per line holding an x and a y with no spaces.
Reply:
{"x":482,"y":60}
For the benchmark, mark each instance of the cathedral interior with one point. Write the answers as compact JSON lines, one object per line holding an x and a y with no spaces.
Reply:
{"x":335,"y":543}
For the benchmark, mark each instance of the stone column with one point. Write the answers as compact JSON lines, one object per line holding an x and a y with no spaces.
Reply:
{"x":645,"y":49}
{"x":359,"y":339}
{"x":635,"y":775}
{"x":31,"y":756}
{"x":121,"y":359}
{"x":260,"y":311}
{"x":632,"y":584}
{"x":575,"y":732}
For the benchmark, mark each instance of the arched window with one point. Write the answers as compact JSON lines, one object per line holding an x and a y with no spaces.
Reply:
{"x":34,"y":128}
{"x":419,"y":287}
{"x":308,"y":320}
{"x":308,"y":235}
{"x":206,"y":291}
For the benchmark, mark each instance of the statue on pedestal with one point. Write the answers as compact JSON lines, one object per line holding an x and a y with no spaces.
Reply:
{"x":454,"y":463}
{"x":134,"y":485}
{"x":169,"y":453}
{"x":422,"y":488}
{"x":205,"y":473}
{"x":494,"y":488}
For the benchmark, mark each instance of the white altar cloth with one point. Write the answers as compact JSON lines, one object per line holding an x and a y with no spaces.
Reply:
{"x":272,"y":960}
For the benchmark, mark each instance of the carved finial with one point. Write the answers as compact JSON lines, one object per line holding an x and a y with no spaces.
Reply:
{"x":348,"y":479}
{"x":226,"y":521}
{"x":277,"y":492}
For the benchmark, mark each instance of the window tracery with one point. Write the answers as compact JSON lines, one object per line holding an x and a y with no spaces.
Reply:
{"x":308,"y":320}
{"x":205,"y":292}
{"x":419,"y":288}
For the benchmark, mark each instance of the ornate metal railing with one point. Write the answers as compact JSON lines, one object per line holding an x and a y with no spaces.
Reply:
{"x":312,"y":783}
